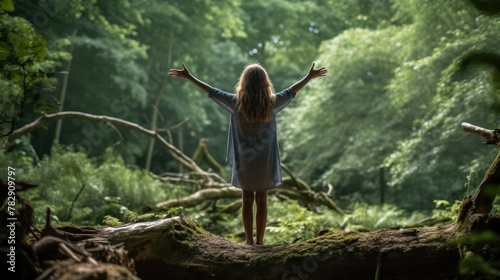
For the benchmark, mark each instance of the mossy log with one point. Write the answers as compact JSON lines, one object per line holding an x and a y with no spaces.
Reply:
{"x":179,"y":248}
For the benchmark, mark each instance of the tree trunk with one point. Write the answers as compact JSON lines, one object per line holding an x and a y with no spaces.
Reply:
{"x":156,"y":104}
{"x":178,"y":247}
{"x":63,"y":91}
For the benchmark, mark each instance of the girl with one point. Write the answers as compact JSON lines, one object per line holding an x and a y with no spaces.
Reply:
{"x":252,"y":147}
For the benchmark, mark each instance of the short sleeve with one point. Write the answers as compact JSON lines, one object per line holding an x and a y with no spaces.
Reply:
{"x":226,"y":100}
{"x":283,"y":98}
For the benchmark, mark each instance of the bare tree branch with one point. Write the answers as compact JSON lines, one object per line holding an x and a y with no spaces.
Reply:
{"x":488,"y":189}
{"x":46,"y":118}
{"x":307,"y":198}
{"x":491,"y":136}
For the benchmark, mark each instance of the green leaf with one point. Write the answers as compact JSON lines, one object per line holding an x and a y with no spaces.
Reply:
{"x":440,"y":203}
{"x":4,"y":51}
{"x":7,"y":5}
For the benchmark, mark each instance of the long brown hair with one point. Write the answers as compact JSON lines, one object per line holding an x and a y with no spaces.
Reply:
{"x":255,"y":94}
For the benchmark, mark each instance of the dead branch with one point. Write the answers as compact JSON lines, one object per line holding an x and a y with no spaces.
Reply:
{"x":491,"y":136}
{"x":307,"y":198}
{"x":202,"y":154}
{"x":295,"y":182}
{"x":482,"y":200}
{"x":46,"y":118}
{"x":193,"y":179}
{"x":200,"y":197}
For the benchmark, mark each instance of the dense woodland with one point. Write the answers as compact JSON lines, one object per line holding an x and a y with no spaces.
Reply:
{"x":379,"y":137}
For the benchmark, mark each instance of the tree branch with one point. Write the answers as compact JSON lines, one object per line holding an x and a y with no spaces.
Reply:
{"x":482,"y":200}
{"x":491,"y":136}
{"x":46,"y":118}
{"x":200,"y":197}
{"x":307,"y":198}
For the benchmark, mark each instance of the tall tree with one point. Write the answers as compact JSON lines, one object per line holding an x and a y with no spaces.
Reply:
{"x":182,"y":31}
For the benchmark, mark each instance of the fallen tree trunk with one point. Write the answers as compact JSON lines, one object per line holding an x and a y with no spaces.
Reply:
{"x":178,"y":247}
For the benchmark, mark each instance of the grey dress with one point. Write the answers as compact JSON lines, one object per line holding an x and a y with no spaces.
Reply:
{"x":252,"y":148}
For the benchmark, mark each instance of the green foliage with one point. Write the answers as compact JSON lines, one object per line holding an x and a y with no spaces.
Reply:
{"x":394,"y":99}
{"x":111,"y":221}
{"x":371,"y":217}
{"x":107,"y":187}
{"x":23,"y":75}
{"x":445,"y":209}
{"x":289,"y":221}
{"x":20,"y":156}
{"x":7,"y":5}
{"x":342,"y":138}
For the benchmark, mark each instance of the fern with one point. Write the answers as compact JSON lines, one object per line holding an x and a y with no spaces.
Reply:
{"x":112,"y":221}
{"x":110,"y":186}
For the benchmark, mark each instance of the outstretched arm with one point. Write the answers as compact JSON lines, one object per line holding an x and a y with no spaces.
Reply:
{"x":185,"y":74}
{"x":312,"y":74}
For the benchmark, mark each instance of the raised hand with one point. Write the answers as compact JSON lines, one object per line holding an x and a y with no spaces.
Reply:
{"x":180,"y":73}
{"x":185,"y":74}
{"x":314,"y":73}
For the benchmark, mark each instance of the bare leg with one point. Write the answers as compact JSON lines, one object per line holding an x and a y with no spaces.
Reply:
{"x":247,"y":214}
{"x":261,"y":215}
